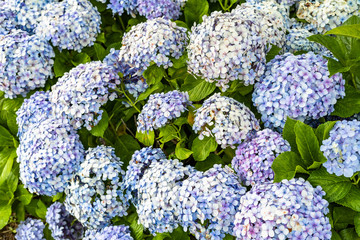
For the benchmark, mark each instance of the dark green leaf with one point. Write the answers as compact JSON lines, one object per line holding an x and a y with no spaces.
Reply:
{"x":80,"y":58}
{"x":335,"y":235}
{"x":335,"y":67}
{"x":137,"y":229}
{"x":146,"y":138}
{"x":275,"y":50}
{"x":194,"y":11}
{"x":5,"y":212}
{"x":6,"y":139}
{"x":101,"y":127}
{"x":197,"y":88}
{"x":286,"y":165}
{"x":202,"y":148}
{"x":349,"y":234}
{"x":342,"y":217}
{"x":7,"y":156}
{"x":100,"y":51}
{"x":351,"y":199}
{"x":322,"y":131}
{"x":357,"y":223}
{"x":20,"y":211}
{"x":41,"y":209}
{"x":125,"y":147}
{"x":23,"y":195}
{"x":333,"y":44}
{"x":154,"y":74}
{"x":349,"y":105}
{"x":209,"y":162}
{"x":289,"y":133}
{"x":62,"y":63}
{"x":101,"y":38}
{"x":156,"y":87}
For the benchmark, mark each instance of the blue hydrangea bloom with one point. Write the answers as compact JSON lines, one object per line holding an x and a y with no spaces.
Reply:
{"x":290,"y":209}
{"x":80,"y":93}
{"x":7,"y":19}
{"x":228,"y":120}
{"x":120,"y":232}
{"x":71,"y":24}
{"x":156,"y":40}
{"x":94,"y":195}
{"x":298,"y":87}
{"x":342,"y":148}
{"x":62,"y":224}
{"x":25,"y":63}
{"x":168,"y":9}
{"x":30,"y":229}
{"x":162,"y":108}
{"x":120,"y":6}
{"x":286,"y":3}
{"x":209,"y":201}
{"x":33,"y":111}
{"x":253,"y":159}
{"x":49,"y":154}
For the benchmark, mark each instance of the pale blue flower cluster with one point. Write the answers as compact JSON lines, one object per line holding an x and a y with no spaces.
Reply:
{"x":298,"y":87}
{"x":342,"y":148}
{"x":161,"y":108}
{"x":7,"y":19}
{"x":61,"y":224}
{"x":228,"y":120}
{"x":120,"y":6}
{"x":286,"y":3}
{"x":94,"y":195}
{"x":30,"y":229}
{"x":25,"y":63}
{"x":168,"y":9}
{"x":120,"y":232}
{"x":291,"y":209}
{"x":80,"y":93}
{"x":71,"y":24}
{"x":156,"y":40}
{"x":254,"y":157}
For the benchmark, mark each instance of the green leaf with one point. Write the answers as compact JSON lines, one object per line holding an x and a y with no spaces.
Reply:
{"x":335,"y":235}
{"x":349,"y":234}
{"x":154,"y":74}
{"x":23,"y":194}
{"x":59,"y":195}
{"x":349,"y":105}
{"x":195,"y":10}
{"x":41,"y":209}
{"x":197,"y":88}
{"x":342,"y":217}
{"x":6,"y":139}
{"x":61,"y":63}
{"x":286,"y":165}
{"x":7,"y":156}
{"x":208,"y":163}
{"x":335,"y":67}
{"x":156,"y":87}
{"x":322,"y":131}
{"x":167,"y":133}
{"x":182,"y":153}
{"x":100,"y":51}
{"x":351,"y":199}
{"x":289,"y":133}
{"x":5,"y":212}
{"x":146,"y":138}
{"x":337,"y":47}
{"x":275,"y":50}
{"x":346,"y":30}
{"x":20,"y":211}
{"x":137,"y":229}
{"x":101,"y":127}
{"x":357,"y":223}
{"x":80,"y":58}
{"x":202,"y":148}
{"x":125,"y":146}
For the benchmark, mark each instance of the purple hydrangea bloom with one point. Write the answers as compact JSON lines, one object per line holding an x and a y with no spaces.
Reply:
{"x":71,"y":24}
{"x":94,"y":195}
{"x":120,"y":232}
{"x":161,"y":108}
{"x":209,"y":201}
{"x":25,"y":61}
{"x":49,"y":154}
{"x":226,"y":47}
{"x":254,"y":157}
{"x":342,"y":148}
{"x":298,"y":87}
{"x":168,"y":9}
{"x":290,"y":209}
{"x":156,"y":40}
{"x":228,"y":120}
{"x":80,"y":93}
{"x":30,"y":229}
{"x":62,"y":224}
{"x":7,"y":19}
{"x":120,"y":6}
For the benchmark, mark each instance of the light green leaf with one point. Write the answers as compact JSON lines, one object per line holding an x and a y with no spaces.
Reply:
{"x":7,"y":156}
{"x":156,"y":87}
{"x":80,"y":58}
{"x":23,"y":195}
{"x":167,"y":133}
{"x":197,"y":88}
{"x":146,"y":138}
{"x":322,"y":131}
{"x":153,"y":74}
{"x":286,"y":165}
{"x":101,"y":127}
{"x":346,"y":30}
{"x":202,"y":148}
{"x":6,"y":139}
{"x":289,"y":133}
{"x":182,"y":153}
{"x":5,"y":212}
{"x":351,"y":199}
{"x":194,"y":11}
{"x":349,"y":105}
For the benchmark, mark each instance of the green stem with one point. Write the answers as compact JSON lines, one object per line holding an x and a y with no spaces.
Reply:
{"x":122,"y":24}
{"x":222,"y":150}
{"x":122,"y":91}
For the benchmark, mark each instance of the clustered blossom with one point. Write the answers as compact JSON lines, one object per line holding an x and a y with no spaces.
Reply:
{"x":291,"y":209}
{"x":33,"y":111}
{"x":71,"y":24}
{"x":30,"y":229}
{"x":80,"y":93}
{"x":286,"y":3}
{"x":161,"y":108}
{"x":25,"y":63}
{"x":120,"y":232}
{"x":157,"y":200}
{"x":7,"y":19}
{"x":120,"y":6}
{"x":94,"y":195}
{"x":209,"y":201}
{"x":168,"y":9}
{"x":342,"y":148}
{"x":156,"y":40}
{"x":62,"y":224}
{"x":254,"y":157}
{"x":49,"y":154}
{"x":227,"y":47}
{"x":327,"y":14}
{"x":228,"y":120}
{"x":298,"y":87}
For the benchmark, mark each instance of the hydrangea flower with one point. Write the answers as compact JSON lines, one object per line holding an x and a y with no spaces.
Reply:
{"x":120,"y":6}
{"x":209,"y":201}
{"x":291,"y":209}
{"x":226,"y":47}
{"x":157,"y":199}
{"x":254,"y":157}
{"x":156,"y":40}
{"x":71,"y":24}
{"x":228,"y":120}
{"x":33,"y":111}
{"x":138,"y":164}
{"x":298,"y":87}
{"x":7,"y":19}
{"x":49,"y":154}
{"x":62,"y":224}
{"x":30,"y":229}
{"x":80,"y":93}
{"x":25,"y":62}
{"x":120,"y":232}
{"x":327,"y":14}
{"x":286,"y":3}
{"x":161,"y":108}
{"x":168,"y":9}
{"x":341,"y":149}
{"x":94,"y":195}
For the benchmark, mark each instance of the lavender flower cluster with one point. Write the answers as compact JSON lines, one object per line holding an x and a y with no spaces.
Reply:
{"x":120,"y":6}
{"x":7,"y":19}
{"x":291,"y":209}
{"x":286,"y":3}
{"x":161,"y":108}
{"x":156,"y":40}
{"x":30,"y":229}
{"x":342,"y":148}
{"x":228,"y":120}
{"x":120,"y":232}
{"x":254,"y":157}
{"x":298,"y":87}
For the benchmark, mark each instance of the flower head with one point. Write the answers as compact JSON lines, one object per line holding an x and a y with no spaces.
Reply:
{"x":168,"y":9}
{"x":30,"y":229}
{"x":120,"y":232}
{"x":120,"y":6}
